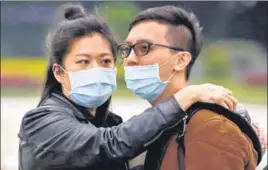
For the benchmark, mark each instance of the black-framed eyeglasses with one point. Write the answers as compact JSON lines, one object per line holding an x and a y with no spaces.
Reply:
{"x":141,"y":48}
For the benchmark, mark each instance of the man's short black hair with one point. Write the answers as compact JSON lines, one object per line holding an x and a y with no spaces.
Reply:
{"x":185,"y":33}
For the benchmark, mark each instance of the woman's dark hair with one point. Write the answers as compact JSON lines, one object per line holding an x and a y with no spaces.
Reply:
{"x":76,"y":23}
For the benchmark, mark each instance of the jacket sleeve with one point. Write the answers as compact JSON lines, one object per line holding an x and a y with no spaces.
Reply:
{"x":214,"y":142}
{"x":59,"y":140}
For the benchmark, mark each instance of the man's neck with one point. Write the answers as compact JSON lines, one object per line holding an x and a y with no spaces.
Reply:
{"x":170,"y":90}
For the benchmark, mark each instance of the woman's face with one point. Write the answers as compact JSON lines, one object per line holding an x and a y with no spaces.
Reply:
{"x":85,"y":53}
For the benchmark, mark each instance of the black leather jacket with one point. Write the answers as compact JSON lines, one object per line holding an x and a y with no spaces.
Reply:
{"x":61,"y":135}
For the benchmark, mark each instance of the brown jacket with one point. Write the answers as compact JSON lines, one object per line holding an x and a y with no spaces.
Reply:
{"x":212,"y":142}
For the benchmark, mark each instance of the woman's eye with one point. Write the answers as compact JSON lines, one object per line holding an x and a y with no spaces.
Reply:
{"x":106,"y":61}
{"x":83,"y":62}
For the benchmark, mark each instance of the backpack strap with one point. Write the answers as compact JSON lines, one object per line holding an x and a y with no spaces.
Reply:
{"x":181,"y":154}
{"x":181,"y":147}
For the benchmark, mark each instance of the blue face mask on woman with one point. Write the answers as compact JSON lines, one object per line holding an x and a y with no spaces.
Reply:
{"x":92,"y":87}
{"x":144,"y":81}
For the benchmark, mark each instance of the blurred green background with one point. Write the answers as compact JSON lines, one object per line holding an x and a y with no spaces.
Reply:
{"x":230,"y":57}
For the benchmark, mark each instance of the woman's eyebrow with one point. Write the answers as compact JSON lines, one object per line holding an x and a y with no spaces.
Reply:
{"x":89,"y":55}
{"x":105,"y":54}
{"x":83,"y":54}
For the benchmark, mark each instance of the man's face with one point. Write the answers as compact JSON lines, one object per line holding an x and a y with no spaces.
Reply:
{"x":155,"y":33}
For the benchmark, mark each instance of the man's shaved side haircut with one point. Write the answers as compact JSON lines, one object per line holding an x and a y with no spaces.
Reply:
{"x":184,"y":31}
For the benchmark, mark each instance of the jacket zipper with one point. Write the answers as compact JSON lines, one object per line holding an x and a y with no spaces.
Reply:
{"x":168,"y":128}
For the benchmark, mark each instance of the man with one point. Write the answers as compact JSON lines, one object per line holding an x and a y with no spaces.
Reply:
{"x":159,"y":52}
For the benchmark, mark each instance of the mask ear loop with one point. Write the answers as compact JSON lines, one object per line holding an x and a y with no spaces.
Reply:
{"x":167,"y":61}
{"x":62,"y":69}
{"x":168,"y":80}
{"x":68,"y":93}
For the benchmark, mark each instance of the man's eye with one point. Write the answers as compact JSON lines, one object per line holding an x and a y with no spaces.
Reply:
{"x":125,"y":49}
{"x":144,"y":47}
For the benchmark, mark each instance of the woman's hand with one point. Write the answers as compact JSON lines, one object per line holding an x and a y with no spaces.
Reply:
{"x":208,"y":93}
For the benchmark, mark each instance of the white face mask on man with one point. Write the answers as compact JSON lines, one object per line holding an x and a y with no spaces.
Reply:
{"x":145,"y":81}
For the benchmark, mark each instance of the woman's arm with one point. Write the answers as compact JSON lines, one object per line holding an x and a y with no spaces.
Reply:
{"x":58,"y":140}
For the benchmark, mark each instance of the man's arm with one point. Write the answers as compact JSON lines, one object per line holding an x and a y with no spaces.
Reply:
{"x":214,"y":142}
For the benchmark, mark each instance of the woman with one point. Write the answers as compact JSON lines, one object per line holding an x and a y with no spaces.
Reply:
{"x":72,"y":127}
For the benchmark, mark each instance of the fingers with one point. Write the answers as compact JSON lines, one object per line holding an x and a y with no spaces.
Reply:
{"x":208,"y":93}
{"x":223,"y":104}
{"x":234,"y":101}
{"x":221,"y":98}
{"x":223,"y":101}
{"x":228,"y":102}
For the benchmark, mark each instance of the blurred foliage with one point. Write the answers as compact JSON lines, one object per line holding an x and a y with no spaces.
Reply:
{"x":216,"y":57}
{"x":119,"y":20}
{"x":120,"y":73}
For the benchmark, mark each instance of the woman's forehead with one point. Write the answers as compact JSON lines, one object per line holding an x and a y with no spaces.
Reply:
{"x":90,"y":45}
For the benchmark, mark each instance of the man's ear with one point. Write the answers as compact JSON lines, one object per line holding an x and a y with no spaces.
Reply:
{"x":57,"y":72}
{"x":183,"y":59}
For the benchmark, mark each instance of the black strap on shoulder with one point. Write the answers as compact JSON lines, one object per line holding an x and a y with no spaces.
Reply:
{"x":181,"y":147}
{"x":181,"y":154}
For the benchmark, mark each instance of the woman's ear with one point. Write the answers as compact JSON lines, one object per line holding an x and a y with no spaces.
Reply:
{"x":57,"y":72}
{"x":183,"y":59}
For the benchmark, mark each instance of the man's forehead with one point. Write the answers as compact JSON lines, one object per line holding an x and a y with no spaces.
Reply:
{"x":147,"y":30}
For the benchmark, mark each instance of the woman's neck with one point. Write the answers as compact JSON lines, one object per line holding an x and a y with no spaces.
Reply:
{"x":92,"y":111}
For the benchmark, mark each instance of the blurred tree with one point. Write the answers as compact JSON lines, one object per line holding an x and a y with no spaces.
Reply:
{"x":119,"y":21}
{"x":217,"y":66}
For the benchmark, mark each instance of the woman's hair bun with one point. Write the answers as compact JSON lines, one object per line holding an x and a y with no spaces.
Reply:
{"x":73,"y":11}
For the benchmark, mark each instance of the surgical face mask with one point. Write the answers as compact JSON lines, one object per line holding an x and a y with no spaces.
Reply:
{"x":92,"y":87}
{"x":145,"y":82}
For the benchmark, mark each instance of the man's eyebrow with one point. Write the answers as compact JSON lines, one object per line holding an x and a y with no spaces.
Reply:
{"x":139,"y":40}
